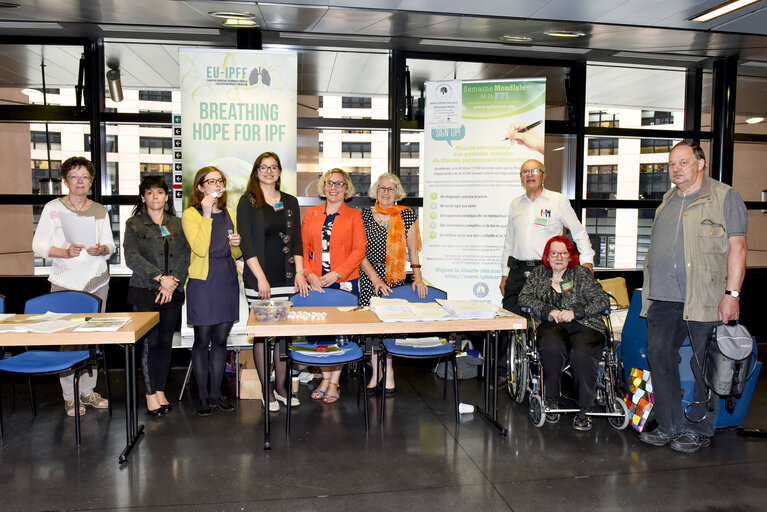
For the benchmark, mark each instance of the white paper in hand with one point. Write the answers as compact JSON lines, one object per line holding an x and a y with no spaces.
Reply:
{"x":79,"y":230}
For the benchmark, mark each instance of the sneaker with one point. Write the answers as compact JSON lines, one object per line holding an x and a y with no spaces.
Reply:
{"x":94,"y":400}
{"x":222,"y":403}
{"x":582,"y":422}
{"x":69,"y":405}
{"x":657,"y":437}
{"x":690,"y":442}
{"x":551,"y":417}
{"x":203,"y":409}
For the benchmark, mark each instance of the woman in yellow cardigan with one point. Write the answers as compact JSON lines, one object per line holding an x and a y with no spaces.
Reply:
{"x":213,"y":291}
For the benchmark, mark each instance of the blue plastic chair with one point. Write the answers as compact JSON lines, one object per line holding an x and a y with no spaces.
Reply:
{"x":331,"y":297}
{"x":389,"y":346}
{"x":46,"y":362}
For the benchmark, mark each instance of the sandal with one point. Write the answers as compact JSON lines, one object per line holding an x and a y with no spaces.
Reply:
{"x":331,"y":399}
{"x":69,"y":405}
{"x":317,"y":394}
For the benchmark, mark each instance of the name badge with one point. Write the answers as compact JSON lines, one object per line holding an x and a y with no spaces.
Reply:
{"x":278,"y":206}
{"x":164,"y":231}
{"x":541,"y":221}
{"x":567,"y":286}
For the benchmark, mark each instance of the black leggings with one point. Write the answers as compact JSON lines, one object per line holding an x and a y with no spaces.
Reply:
{"x":158,"y":344}
{"x":214,"y":336}
{"x":583,"y":346}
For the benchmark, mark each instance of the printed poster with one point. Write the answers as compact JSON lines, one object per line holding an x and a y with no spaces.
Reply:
{"x":477,"y":134}
{"x":236,"y":104}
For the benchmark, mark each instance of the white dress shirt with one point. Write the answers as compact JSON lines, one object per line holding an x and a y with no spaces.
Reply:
{"x":533,"y":223}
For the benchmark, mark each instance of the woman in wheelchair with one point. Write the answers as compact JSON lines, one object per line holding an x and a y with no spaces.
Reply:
{"x":567,"y":302}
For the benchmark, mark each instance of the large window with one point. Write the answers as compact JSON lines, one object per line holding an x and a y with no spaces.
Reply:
{"x":156,"y":145}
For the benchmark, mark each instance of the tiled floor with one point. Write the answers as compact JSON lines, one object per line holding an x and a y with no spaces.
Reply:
{"x":420,"y":460}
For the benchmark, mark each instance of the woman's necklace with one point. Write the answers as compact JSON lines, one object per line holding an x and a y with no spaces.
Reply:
{"x":75,"y":208}
{"x":381,"y":220}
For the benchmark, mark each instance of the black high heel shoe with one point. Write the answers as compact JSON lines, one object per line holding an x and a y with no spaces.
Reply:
{"x":156,"y":413}
{"x":374,"y":390}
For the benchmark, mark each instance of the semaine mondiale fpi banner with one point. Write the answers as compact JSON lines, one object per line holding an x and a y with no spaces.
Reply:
{"x":477,"y":134}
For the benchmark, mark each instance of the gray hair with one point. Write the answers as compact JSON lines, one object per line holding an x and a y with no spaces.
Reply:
{"x":373,"y":190}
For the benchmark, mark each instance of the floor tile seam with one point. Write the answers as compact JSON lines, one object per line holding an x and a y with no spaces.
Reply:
{"x":626,"y":473}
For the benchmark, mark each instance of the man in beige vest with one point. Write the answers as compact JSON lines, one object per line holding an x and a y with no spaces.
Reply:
{"x":693,"y":273}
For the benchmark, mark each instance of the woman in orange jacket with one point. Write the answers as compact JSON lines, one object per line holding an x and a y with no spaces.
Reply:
{"x":334,"y":242}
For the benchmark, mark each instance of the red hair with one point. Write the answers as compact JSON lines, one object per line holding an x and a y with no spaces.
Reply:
{"x":574,"y":259}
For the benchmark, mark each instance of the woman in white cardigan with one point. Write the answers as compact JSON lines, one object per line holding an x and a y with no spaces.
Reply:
{"x":74,"y":266}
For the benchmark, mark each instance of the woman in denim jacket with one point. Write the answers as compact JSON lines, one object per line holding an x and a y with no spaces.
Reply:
{"x":158,"y":254}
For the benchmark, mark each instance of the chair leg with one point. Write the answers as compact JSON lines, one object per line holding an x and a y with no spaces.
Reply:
{"x":1,"y":411}
{"x":287,"y":416}
{"x":103,"y":359}
{"x":186,"y":380}
{"x":455,"y":389}
{"x":32,"y":396}
{"x":444,"y":382}
{"x":382,"y":366}
{"x":364,"y":382}
{"x":76,"y":386}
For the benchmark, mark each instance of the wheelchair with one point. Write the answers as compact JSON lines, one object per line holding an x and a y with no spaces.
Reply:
{"x":524,"y":376}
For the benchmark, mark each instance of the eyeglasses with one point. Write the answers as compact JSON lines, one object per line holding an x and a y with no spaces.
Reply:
{"x":559,"y":254}
{"x":534,"y":172}
{"x":84,"y":177}
{"x":212,"y":182}
{"x":268,"y":168}
{"x":679,"y":163}
{"x":389,"y":190}
{"x":335,"y":184}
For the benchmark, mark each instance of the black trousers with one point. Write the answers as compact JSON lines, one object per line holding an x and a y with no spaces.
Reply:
{"x":582,"y":346}
{"x":158,"y":344}
{"x":514,"y":284}
{"x":666,"y":331}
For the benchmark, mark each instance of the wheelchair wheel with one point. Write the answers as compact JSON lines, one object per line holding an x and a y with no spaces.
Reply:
{"x":536,"y":411}
{"x":618,"y":405}
{"x":517,"y":368}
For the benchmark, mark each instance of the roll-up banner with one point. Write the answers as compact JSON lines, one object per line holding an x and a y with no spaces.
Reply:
{"x":236,"y":104}
{"x":471,"y":174}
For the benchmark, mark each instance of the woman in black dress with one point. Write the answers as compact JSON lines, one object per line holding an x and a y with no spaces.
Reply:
{"x":392,"y":234}
{"x":213,"y":291}
{"x":271,"y":246}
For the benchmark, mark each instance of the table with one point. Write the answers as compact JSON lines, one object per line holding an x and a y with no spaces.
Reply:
{"x":365,"y":322}
{"x":127,"y":335}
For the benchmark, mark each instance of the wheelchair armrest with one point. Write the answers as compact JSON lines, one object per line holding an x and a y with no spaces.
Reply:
{"x":526,"y":309}
{"x":606,"y":312}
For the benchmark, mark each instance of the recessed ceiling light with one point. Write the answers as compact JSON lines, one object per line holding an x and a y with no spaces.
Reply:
{"x":515,"y":39}
{"x":721,"y":10}
{"x":239,"y":22}
{"x":232,"y":14}
{"x":564,"y":33}
{"x":754,"y":120}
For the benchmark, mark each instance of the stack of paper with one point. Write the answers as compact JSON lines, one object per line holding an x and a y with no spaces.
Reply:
{"x":39,"y":327}
{"x":392,"y":310}
{"x":433,"y":341}
{"x":468,"y":310}
{"x":103,"y":324}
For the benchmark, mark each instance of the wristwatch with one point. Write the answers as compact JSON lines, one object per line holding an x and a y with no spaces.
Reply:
{"x":733,"y":293}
